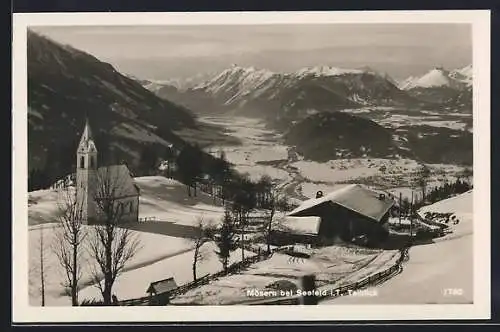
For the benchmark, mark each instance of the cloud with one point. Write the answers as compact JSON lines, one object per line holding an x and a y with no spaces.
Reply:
{"x":276,"y":46}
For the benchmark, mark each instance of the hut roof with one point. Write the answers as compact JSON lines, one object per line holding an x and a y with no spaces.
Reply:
{"x":162,"y":286}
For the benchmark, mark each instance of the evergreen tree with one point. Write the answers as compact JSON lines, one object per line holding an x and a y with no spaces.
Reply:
{"x":225,"y":238}
{"x":189,"y":163}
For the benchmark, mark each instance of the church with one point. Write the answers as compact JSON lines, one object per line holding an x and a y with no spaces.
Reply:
{"x":113,"y":182}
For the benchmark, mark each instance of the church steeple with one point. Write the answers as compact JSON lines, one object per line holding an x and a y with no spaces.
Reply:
{"x":87,"y":151}
{"x":86,"y":172}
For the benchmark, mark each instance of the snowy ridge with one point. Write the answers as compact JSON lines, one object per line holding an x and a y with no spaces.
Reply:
{"x":326,"y":71}
{"x":245,"y":78}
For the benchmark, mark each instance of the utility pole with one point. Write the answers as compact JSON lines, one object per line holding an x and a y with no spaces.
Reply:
{"x":400,"y":199}
{"x":309,"y":285}
{"x":411,"y":217}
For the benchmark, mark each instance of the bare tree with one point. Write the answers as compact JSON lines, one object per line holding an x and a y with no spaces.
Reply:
{"x":202,"y":234}
{"x":68,"y":241}
{"x":41,"y":248}
{"x":277,"y":202}
{"x":423,"y":174}
{"x":111,"y":246}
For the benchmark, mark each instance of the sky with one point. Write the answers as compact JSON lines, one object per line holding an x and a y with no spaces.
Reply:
{"x":169,"y":52}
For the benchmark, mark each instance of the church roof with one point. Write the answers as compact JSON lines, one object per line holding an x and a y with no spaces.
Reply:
{"x":119,"y":179}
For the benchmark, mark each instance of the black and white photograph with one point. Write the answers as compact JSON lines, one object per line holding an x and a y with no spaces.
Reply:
{"x":325,"y":163}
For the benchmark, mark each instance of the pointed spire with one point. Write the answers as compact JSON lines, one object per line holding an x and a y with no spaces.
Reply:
{"x":87,"y":132}
{"x":87,"y":140}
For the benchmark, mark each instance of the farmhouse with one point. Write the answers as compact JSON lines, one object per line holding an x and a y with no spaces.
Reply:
{"x":351,"y":213}
{"x":113,"y":183}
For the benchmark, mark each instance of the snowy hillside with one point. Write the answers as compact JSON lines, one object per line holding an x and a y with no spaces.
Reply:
{"x":432,"y":268}
{"x":161,"y":198}
{"x":164,"y":240}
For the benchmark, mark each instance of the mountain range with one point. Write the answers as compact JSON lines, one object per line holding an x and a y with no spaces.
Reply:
{"x":262,"y":93}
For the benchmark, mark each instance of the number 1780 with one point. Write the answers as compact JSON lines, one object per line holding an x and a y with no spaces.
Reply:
{"x":453,"y":291}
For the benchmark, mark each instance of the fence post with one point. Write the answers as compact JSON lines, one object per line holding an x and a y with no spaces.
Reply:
{"x":309,"y":284}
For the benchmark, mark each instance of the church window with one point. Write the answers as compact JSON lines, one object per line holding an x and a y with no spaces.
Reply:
{"x":82,"y":162}
{"x":92,"y":162}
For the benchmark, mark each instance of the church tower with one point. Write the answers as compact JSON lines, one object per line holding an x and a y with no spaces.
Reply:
{"x":86,"y":177}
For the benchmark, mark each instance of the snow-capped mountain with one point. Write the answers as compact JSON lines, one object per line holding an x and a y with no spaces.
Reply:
{"x":450,"y":88}
{"x":326,"y":71}
{"x":237,"y":82}
{"x":440,"y":77}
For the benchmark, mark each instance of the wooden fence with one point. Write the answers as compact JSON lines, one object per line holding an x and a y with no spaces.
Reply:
{"x":233,"y":268}
{"x":371,"y":280}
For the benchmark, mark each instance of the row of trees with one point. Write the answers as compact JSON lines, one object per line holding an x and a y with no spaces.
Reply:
{"x":106,"y":246}
{"x":230,"y":233}
{"x":444,"y":191}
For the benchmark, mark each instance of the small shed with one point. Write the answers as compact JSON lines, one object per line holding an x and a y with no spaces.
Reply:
{"x":159,"y":291}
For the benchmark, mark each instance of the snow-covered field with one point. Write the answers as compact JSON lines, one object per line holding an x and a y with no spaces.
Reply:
{"x":332,"y":266}
{"x":432,"y":268}
{"x":134,"y":283}
{"x":164,"y":199}
{"x":153,"y":248}
{"x":167,"y":201}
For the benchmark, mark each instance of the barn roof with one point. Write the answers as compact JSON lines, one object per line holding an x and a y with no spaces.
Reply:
{"x":300,"y":225}
{"x":162,"y":286}
{"x":355,"y":197}
{"x":119,"y":179}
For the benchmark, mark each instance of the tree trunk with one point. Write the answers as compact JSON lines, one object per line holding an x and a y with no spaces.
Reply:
{"x":108,"y":275}
{"x":195,"y":259}
{"x":194,"y":271}
{"x":242,"y":244}
{"x":74,"y":275}
{"x":106,"y":294}
{"x":42,"y":272}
